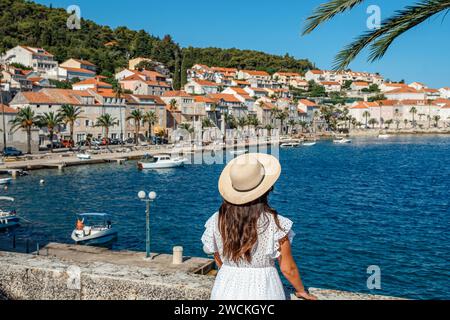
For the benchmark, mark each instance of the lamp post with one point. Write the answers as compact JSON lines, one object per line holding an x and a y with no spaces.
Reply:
{"x":151,"y":197}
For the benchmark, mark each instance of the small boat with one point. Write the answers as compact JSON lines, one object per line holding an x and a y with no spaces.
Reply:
{"x":238,"y":152}
{"x":290,"y":145}
{"x":95,"y":229}
{"x":84,"y":156}
{"x":5,"y":181}
{"x":309,"y":144}
{"x":8,"y":219}
{"x":384,"y":136}
{"x":162,"y":161}
{"x":342,"y":140}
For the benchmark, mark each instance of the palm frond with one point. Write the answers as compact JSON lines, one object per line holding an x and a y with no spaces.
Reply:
{"x":390,"y":29}
{"x":327,"y":11}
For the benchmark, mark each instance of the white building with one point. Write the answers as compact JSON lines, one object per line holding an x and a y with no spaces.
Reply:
{"x":445,"y":92}
{"x":37,"y":58}
{"x":405,"y":93}
{"x":198,"y":86}
{"x":331,"y":86}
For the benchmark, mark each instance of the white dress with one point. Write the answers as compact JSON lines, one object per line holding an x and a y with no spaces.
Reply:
{"x":258,"y":280}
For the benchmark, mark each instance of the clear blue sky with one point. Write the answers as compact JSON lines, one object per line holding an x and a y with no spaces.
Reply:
{"x":274,"y":27}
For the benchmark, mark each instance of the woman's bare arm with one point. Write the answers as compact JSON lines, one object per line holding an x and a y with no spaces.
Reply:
{"x":290,"y":270}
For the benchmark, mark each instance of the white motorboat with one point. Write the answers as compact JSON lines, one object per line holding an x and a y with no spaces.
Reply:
{"x":4,"y":181}
{"x":8,"y":219}
{"x":384,"y":136}
{"x":162,"y":161}
{"x":342,"y":140}
{"x":238,"y":152}
{"x":290,"y":145}
{"x":84,"y":156}
{"x":309,"y":143}
{"x":94,"y":229}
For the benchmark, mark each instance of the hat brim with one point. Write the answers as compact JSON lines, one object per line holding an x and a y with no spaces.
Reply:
{"x":272,"y":170}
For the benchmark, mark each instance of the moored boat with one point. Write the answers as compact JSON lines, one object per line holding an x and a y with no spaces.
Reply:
{"x":342,"y":140}
{"x":4,"y":181}
{"x":8,"y":219}
{"x":94,"y":229}
{"x":162,"y":161}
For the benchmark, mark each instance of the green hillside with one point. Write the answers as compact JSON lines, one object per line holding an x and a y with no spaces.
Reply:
{"x":27,"y":23}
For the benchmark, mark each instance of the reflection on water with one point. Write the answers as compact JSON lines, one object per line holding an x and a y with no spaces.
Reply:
{"x":372,"y":202}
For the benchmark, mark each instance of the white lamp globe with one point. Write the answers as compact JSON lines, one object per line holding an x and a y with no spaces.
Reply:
{"x":152,"y":195}
{"x":141,"y":195}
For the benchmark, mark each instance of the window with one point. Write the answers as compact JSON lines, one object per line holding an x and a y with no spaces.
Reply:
{"x":86,"y":123}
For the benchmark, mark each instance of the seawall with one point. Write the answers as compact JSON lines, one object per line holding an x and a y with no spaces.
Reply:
{"x":67,"y":272}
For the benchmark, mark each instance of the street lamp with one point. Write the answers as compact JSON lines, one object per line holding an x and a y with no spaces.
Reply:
{"x":151,"y":197}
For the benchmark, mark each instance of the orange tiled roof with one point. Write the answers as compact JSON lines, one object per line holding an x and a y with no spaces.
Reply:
{"x":206,"y":83}
{"x":403,"y":90}
{"x":78,"y":70}
{"x":225,"y":97}
{"x":317,"y":71}
{"x":7,"y":109}
{"x":256,"y":73}
{"x":307,"y":102}
{"x":176,"y":93}
{"x":204,"y":99}
{"x":94,"y":82}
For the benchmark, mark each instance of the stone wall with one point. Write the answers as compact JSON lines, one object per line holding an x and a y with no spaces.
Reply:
{"x":45,"y":278}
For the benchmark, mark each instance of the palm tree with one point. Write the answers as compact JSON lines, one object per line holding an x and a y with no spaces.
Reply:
{"x":379,"y":39}
{"x":366,"y":114}
{"x":51,"y":121}
{"x":242,"y":122}
{"x":281,"y":115}
{"x":151,"y":118}
{"x":26,"y":120}
{"x":137,"y":116}
{"x":413,"y":111}
{"x":207,"y":123}
{"x":69,"y":115}
{"x":373,"y":122}
{"x":436,"y":120}
{"x":106,"y":121}
{"x":291,"y":123}
{"x":253,"y":121}
{"x":118,"y":93}
{"x":389,"y":122}
{"x":269,"y":128}
{"x":173,"y":105}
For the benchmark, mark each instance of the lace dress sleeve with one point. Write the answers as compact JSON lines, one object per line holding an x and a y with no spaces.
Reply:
{"x":208,"y":237}
{"x":280,"y":235}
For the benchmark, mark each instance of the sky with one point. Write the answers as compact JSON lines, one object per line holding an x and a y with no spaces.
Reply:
{"x":275,"y":27}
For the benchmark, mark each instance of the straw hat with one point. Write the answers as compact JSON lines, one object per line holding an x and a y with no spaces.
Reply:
{"x":248,"y":177}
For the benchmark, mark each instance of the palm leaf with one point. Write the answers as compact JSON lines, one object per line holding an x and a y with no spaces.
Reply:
{"x":390,"y":29}
{"x":327,"y":11}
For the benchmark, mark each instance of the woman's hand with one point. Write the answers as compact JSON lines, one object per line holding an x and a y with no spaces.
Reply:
{"x":305,"y":295}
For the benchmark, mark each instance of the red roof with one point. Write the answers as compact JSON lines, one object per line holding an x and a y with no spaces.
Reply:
{"x":206,"y":83}
{"x":307,"y":103}
{"x":256,"y":73}
{"x":176,"y":93}
{"x":7,"y":109}
{"x":225,"y":97}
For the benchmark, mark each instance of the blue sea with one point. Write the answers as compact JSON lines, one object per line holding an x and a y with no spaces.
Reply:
{"x":373,"y":202}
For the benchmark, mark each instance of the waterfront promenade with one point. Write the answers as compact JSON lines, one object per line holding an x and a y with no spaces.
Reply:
{"x":67,"y":272}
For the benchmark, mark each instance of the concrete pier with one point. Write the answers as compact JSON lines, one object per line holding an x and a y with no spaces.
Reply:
{"x":68,"y":272}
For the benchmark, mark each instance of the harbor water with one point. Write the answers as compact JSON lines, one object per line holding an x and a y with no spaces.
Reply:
{"x":374,"y":202}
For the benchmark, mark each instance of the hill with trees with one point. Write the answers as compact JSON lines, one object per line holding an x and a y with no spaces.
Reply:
{"x":24,"y":22}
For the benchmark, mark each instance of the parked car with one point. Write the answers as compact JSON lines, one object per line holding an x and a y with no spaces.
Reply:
{"x":12,"y":152}
{"x":56,"y":145}
{"x":67,"y":143}
{"x":115,"y":142}
{"x":159,"y":140}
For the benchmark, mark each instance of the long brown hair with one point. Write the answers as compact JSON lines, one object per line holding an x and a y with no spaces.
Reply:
{"x":238,"y":225}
